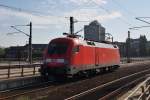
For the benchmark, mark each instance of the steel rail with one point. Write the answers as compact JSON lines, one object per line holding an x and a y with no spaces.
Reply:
{"x":48,"y":87}
{"x":90,"y":91}
{"x":122,"y":88}
{"x":145,"y":86}
{"x":139,"y":86}
{"x":26,"y":92}
{"x":26,"y":82}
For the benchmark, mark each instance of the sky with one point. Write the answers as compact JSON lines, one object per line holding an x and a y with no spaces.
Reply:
{"x":50,"y":18}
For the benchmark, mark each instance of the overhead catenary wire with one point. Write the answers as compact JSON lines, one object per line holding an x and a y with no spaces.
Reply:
{"x":41,"y":14}
{"x":20,"y":31}
{"x":139,"y":27}
{"x":141,"y":19}
{"x":12,"y":33}
{"x":129,"y":12}
{"x":36,"y":13}
{"x":109,"y":12}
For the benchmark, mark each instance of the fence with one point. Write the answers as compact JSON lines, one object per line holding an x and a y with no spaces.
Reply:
{"x":18,"y":70}
{"x":19,"y":60}
{"x":142,"y":92}
{"x":138,"y":59}
{"x":21,"y":68}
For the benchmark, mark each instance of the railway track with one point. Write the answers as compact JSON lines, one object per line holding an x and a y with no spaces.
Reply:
{"x":23,"y":93}
{"x":62,"y":91}
{"x":8,"y":94}
{"x":111,"y":90}
{"x":31,"y":88}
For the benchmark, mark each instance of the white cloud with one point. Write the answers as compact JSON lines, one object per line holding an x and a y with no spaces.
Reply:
{"x":36,"y":19}
{"x":81,"y":14}
{"x":82,"y":2}
{"x":112,"y":15}
{"x":93,"y":14}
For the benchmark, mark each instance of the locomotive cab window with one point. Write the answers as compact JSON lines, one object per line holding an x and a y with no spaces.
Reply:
{"x":57,"y":48}
{"x":76,"y":49}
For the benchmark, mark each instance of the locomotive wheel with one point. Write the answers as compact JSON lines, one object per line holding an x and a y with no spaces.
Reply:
{"x":92,"y":72}
{"x":103,"y":69}
{"x":110,"y":68}
{"x":46,"y":76}
{"x":83,"y":74}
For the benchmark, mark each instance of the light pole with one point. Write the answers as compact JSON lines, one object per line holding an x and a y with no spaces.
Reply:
{"x":128,"y":48}
{"x":30,"y":39}
{"x":71,"y":25}
{"x":30,"y":43}
{"x":128,"y":44}
{"x":71,"y":33}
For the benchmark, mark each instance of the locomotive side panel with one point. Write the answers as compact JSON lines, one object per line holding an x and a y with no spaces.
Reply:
{"x":76,"y":58}
{"x":90,"y":57}
{"x":85,"y":57}
{"x":108,"y":57}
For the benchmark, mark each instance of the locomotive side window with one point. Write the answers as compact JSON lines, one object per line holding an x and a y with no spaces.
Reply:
{"x":115,"y":46}
{"x":90,"y":43}
{"x":57,"y":48}
{"x":76,"y":49}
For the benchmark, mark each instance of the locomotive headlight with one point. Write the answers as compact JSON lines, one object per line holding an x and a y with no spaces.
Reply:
{"x":44,"y":61}
{"x":55,"y":60}
{"x":60,"y":60}
{"x":48,"y":60}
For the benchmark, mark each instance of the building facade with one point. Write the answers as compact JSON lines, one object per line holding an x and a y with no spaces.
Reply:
{"x":94,"y":32}
{"x":139,"y":47}
{"x":22,"y":51}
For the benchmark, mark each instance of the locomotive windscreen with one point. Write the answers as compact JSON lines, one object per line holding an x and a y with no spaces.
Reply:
{"x":57,"y":48}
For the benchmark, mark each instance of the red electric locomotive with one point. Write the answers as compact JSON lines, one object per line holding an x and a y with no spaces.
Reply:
{"x":70,"y":56}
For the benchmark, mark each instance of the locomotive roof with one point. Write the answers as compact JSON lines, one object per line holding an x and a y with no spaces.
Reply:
{"x":88,"y":43}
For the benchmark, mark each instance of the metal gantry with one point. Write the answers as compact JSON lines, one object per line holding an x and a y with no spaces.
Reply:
{"x":135,"y":28}
{"x":30,"y":38}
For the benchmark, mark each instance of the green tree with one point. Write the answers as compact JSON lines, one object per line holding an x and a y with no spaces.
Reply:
{"x":2,"y":52}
